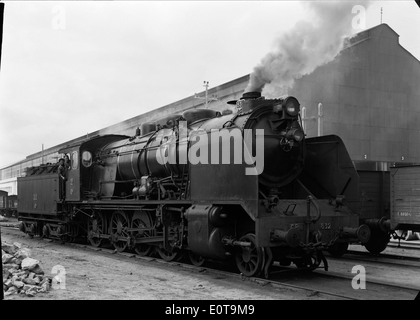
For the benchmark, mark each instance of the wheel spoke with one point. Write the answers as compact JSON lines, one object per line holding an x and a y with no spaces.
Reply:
{"x":249,"y":259}
{"x":141,"y":220}
{"x":119,"y":221}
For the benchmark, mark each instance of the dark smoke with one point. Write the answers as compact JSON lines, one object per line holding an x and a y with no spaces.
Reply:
{"x":308,"y":45}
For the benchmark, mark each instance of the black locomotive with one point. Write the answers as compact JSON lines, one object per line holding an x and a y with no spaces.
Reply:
{"x":196,"y":183}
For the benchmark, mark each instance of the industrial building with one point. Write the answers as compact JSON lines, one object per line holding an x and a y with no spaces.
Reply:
{"x":368,"y":96}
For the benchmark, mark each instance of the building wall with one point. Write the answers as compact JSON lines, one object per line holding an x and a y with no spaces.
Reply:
{"x":370,"y":98}
{"x":9,"y":185}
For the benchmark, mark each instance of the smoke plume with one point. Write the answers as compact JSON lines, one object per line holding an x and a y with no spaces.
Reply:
{"x":308,"y":45}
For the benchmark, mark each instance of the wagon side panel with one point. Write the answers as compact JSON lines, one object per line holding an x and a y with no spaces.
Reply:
{"x":405,"y":198}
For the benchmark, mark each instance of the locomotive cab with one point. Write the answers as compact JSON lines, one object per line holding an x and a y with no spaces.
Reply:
{"x":70,"y":186}
{"x":98,"y":170}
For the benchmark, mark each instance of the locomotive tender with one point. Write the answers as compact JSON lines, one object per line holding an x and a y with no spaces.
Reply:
{"x":178,"y":188}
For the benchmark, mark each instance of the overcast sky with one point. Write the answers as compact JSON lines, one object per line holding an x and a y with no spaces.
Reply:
{"x":69,"y":68}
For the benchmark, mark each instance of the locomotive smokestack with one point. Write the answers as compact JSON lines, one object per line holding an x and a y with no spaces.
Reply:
{"x":247,"y":96}
{"x":250,"y":100}
{"x":251,"y":95}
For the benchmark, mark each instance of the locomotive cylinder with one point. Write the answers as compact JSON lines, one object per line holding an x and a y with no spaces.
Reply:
{"x":206,"y":229}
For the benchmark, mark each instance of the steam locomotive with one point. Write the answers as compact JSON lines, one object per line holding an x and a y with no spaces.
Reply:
{"x":246,"y":187}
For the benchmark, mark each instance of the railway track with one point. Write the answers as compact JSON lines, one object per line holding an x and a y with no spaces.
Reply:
{"x":230,"y":274}
{"x":404,"y":249}
{"x":341,"y":284}
{"x":382,"y":258}
{"x":406,"y":245}
{"x":319,"y":284}
{"x":395,"y":254}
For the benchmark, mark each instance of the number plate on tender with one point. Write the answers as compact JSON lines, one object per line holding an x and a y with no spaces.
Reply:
{"x":296,"y":225}
{"x":325,"y":225}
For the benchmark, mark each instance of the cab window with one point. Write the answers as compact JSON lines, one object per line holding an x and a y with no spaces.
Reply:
{"x":74,"y":160}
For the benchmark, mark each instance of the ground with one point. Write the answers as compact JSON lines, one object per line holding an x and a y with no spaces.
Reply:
{"x":97,"y":275}
{"x":101,"y":275}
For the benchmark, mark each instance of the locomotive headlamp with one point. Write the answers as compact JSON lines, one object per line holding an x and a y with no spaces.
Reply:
{"x":298,"y":135}
{"x":292,"y":106}
{"x":295,"y":134}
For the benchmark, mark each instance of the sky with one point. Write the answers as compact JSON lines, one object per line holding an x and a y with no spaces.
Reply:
{"x":70,"y":68}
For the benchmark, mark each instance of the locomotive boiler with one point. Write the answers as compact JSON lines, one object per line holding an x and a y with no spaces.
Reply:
{"x":246,"y":186}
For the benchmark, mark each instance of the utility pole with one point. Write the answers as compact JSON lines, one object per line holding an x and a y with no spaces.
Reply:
{"x":206,"y":85}
{"x":381,"y":15}
{"x":206,"y":97}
